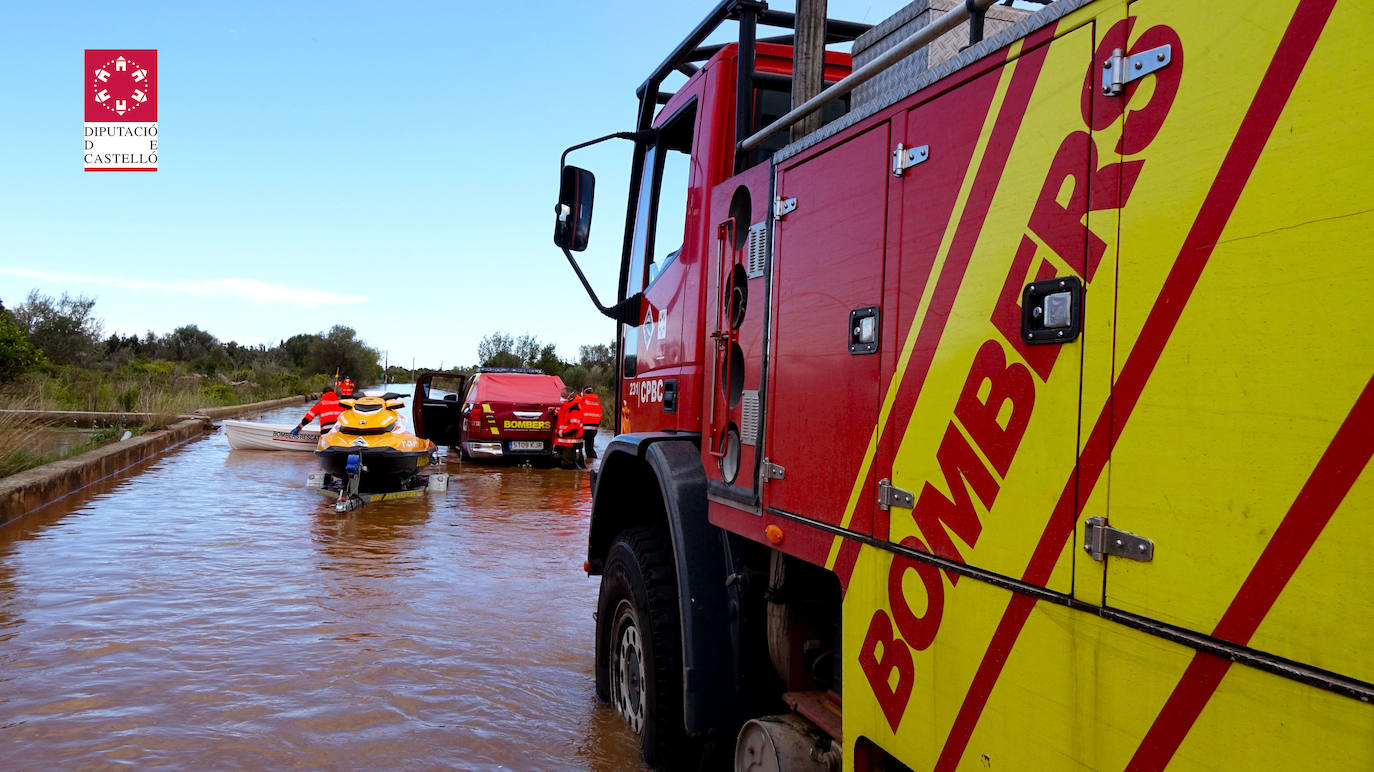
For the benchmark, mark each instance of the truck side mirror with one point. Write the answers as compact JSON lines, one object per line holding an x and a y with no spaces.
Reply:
{"x":574,"y":210}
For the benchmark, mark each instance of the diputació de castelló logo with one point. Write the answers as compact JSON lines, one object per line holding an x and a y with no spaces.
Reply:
{"x":119,"y":90}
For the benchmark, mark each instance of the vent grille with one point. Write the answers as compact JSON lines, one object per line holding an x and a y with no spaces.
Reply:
{"x":749,"y":418}
{"x":758,"y":249}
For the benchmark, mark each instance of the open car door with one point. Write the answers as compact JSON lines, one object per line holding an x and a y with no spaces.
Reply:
{"x":437,"y":409}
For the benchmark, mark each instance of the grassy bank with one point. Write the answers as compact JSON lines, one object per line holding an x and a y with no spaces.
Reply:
{"x":22,"y":446}
{"x":163,"y":389}
{"x":152,"y":387}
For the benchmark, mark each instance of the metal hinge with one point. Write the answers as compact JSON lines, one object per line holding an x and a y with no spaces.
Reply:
{"x":782,"y":206}
{"x":904,"y":158}
{"x":1100,"y":540}
{"x":1120,"y":69}
{"x":771,"y":471}
{"x":890,"y":496}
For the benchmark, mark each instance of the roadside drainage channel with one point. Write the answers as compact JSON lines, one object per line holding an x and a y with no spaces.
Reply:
{"x":33,"y":488}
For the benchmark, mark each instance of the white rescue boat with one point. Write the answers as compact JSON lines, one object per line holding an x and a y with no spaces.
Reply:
{"x":251,"y":435}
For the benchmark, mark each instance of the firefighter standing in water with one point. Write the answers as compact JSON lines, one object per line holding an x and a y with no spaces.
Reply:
{"x":327,"y":410}
{"x":591,"y":420}
{"x":346,"y":387}
{"x":567,"y":435}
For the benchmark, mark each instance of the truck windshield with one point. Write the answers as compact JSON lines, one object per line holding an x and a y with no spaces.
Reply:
{"x":661,"y":214}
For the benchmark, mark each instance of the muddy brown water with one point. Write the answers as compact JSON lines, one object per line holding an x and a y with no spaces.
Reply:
{"x":205,"y":610}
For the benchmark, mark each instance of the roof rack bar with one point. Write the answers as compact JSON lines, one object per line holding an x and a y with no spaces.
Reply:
{"x":691,"y":50}
{"x":744,"y":76}
{"x":919,"y":39}
{"x":702,"y":53}
{"x":841,"y":31}
{"x":720,"y":13}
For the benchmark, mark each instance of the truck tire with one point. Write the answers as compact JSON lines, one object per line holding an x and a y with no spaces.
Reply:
{"x":638,"y":611}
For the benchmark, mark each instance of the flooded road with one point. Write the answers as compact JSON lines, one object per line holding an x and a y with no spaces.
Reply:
{"x":206,"y":610}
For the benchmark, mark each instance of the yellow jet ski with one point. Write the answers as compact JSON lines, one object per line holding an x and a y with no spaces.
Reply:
{"x":368,"y":455}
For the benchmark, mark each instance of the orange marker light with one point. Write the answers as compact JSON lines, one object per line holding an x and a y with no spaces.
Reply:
{"x":773,"y":533}
{"x":586,"y":566}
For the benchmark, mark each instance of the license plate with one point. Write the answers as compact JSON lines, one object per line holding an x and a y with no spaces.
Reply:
{"x":526,"y":445}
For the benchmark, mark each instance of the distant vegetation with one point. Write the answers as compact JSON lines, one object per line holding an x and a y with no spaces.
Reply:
{"x":54,"y":356}
{"x":595,"y":366}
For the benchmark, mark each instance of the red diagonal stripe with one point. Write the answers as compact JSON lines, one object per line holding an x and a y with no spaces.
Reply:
{"x":1274,"y":90}
{"x":1336,"y":472}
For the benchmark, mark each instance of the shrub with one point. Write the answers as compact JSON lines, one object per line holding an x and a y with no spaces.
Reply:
{"x":128,"y":398}
{"x":218,"y":393}
{"x":17,"y":354}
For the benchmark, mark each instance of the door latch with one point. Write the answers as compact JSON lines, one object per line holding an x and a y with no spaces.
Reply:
{"x":863,"y":330}
{"x":1101,"y":540}
{"x":890,"y":496}
{"x":1052,"y":310}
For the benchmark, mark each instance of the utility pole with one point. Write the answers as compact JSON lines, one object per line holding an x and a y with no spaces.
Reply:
{"x":808,"y":61}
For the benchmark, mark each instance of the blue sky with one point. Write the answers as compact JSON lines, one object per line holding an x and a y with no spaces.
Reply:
{"x":389,"y":167}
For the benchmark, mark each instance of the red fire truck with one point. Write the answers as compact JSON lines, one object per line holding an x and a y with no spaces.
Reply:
{"x":1019,"y":416}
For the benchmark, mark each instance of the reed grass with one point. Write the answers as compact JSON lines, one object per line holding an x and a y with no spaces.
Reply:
{"x":160,"y":389}
{"x":17,"y":443}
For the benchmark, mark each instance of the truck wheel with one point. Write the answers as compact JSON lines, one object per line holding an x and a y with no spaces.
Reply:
{"x":638,"y":607}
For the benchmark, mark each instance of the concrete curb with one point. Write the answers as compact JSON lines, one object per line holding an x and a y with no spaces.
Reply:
{"x":252,"y":407}
{"x":24,"y":492}
{"x":89,"y":418}
{"x":28,"y":490}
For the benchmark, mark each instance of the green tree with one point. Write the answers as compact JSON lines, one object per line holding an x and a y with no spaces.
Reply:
{"x":501,"y":350}
{"x":296,"y":348}
{"x":62,"y":329}
{"x":549,"y":362}
{"x":17,"y":354}
{"x":596,"y":355}
{"x":339,"y":350}
{"x":189,"y":343}
{"x":528,"y":348}
{"x":497,"y":350}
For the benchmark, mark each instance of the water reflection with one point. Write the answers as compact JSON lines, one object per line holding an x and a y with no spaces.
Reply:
{"x":210,"y":611}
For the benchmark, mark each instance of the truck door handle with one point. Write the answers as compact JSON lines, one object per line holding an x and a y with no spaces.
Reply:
{"x":863,"y":330}
{"x":1052,"y":310}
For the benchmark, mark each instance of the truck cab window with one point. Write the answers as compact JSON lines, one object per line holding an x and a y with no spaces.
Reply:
{"x":774,"y":100}
{"x":661,"y":214}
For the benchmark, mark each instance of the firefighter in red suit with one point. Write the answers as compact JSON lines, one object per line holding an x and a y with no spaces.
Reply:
{"x":346,"y":387}
{"x":591,"y":420}
{"x":327,"y":410}
{"x":567,"y":435}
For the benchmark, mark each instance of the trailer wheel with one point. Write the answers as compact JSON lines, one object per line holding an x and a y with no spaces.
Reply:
{"x":638,"y":609}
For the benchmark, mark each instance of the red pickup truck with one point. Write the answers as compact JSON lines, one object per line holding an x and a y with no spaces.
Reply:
{"x":493,"y":413}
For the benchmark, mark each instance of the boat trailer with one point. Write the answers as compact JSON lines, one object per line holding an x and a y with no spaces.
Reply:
{"x":347,"y":497}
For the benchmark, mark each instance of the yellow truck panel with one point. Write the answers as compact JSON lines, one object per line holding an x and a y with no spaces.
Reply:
{"x":1218,"y":404}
